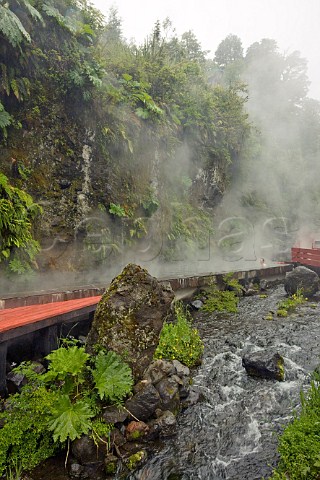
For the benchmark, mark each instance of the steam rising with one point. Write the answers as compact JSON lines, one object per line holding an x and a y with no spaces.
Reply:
{"x":270,"y":204}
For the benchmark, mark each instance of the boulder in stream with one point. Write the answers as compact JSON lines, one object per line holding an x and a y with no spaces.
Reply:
{"x":301,"y":278}
{"x":264,"y":365}
{"x":130,"y":315}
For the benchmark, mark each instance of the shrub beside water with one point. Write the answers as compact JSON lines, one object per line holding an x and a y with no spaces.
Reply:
{"x":290,"y":304}
{"x":299,"y":445}
{"x":179,"y":340}
{"x":223,"y":300}
{"x":60,"y":405}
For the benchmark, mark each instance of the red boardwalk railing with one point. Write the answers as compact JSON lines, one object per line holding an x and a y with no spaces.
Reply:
{"x":306,"y":256}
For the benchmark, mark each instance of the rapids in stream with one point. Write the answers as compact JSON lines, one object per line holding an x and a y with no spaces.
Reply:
{"x":232,"y":432}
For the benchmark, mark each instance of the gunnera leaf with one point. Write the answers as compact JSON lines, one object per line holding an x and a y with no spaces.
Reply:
{"x":67,"y":361}
{"x":112,"y":377}
{"x":70,"y":420}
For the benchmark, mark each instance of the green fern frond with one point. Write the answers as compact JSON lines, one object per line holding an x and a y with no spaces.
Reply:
{"x":5,"y":121}
{"x":33,"y":12}
{"x":24,"y":84}
{"x":67,"y":22}
{"x":11,"y":27}
{"x":15,"y":89}
{"x":4,"y":81}
{"x":5,"y":117}
{"x":53,"y":12}
{"x":67,"y":361}
{"x":76,"y":78}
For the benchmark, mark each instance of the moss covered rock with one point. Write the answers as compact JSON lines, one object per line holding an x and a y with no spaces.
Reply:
{"x":301,"y":278}
{"x":265,"y":365}
{"x":130,"y":315}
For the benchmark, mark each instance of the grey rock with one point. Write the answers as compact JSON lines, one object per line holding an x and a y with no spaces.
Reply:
{"x":264,"y":284}
{"x":144,"y":403}
{"x":117,"y":438}
{"x":264,"y":364}
{"x":115,"y":414}
{"x":184,"y":387}
{"x":249,"y":292}
{"x":301,"y":278}
{"x":158,"y":370}
{"x":197,"y":304}
{"x":193,"y":398}
{"x":85,"y":451}
{"x":76,"y":470}
{"x":168,"y":389}
{"x":165,"y":425}
{"x":17,"y":379}
{"x":182,"y":370}
{"x":130,"y":316}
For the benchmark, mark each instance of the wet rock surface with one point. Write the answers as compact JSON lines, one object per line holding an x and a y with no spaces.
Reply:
{"x":263,"y":364}
{"x":302,"y":278}
{"x":148,"y":417}
{"x":130,"y":315}
{"x":144,"y":403}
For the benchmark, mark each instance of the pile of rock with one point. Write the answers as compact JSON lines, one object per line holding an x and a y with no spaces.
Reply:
{"x":147,"y":417}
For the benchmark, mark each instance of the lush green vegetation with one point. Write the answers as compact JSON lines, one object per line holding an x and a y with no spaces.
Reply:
{"x":299,"y":445}
{"x":290,"y":304}
{"x":179,"y":340}
{"x":171,"y":127}
{"x":60,"y":405}
{"x":225,"y":299}
{"x":18,"y":246}
{"x":151,"y":110}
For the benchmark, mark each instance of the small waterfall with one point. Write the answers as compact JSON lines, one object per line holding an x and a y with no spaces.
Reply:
{"x":83,"y":202}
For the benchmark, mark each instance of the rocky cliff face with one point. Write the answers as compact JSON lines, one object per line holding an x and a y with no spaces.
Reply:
{"x":66,"y":168}
{"x":116,"y":148}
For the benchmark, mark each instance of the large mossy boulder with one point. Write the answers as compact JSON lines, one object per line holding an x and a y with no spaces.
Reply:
{"x":130,"y":315}
{"x":301,"y":278}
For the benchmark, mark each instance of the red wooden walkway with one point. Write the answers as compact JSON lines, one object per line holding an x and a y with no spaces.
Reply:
{"x":34,"y":317}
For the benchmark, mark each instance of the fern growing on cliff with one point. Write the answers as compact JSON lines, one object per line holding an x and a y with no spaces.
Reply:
{"x":11,"y":26}
{"x":17,"y":212}
{"x":5,"y":120}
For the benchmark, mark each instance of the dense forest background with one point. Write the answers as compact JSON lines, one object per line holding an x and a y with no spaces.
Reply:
{"x":156,"y":153}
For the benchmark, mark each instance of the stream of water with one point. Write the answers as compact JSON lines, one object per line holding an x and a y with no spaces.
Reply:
{"x":232,"y":432}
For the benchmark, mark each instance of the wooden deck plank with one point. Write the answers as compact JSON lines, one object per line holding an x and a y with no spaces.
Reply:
{"x":18,"y":317}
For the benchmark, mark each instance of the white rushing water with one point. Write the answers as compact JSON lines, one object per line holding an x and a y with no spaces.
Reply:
{"x":232,"y":433}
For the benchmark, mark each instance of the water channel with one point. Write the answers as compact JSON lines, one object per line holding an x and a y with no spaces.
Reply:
{"x":232,"y":433}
